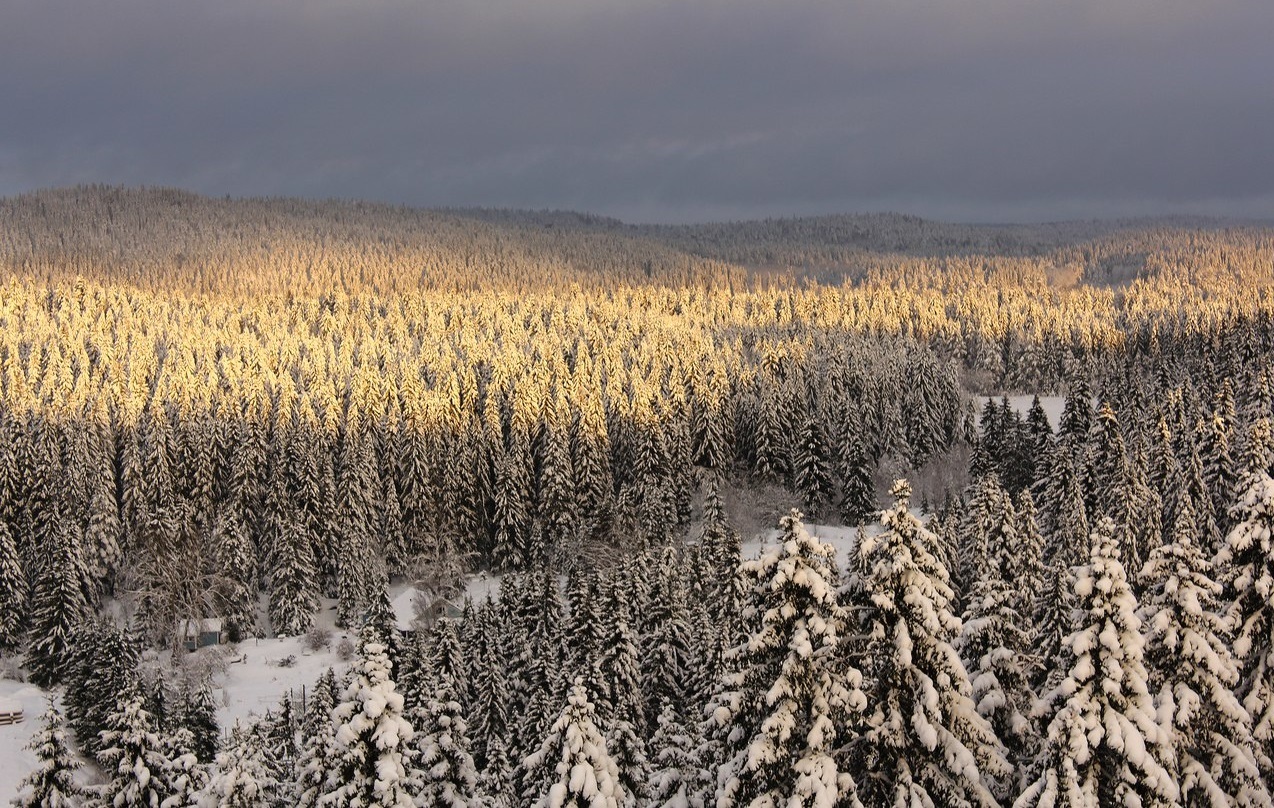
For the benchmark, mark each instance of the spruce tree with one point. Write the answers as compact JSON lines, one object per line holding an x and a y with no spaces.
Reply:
{"x":1247,"y":562}
{"x":293,"y":580}
{"x":52,"y":783}
{"x":13,"y":591}
{"x":58,"y":606}
{"x":317,"y":757}
{"x":186,"y":776}
{"x":674,"y":776}
{"x":448,"y":776}
{"x":813,"y":476}
{"x":1104,"y":744}
{"x":992,"y":644}
{"x":132,"y":757}
{"x":236,"y":585}
{"x":371,"y":753}
{"x":1194,"y":674}
{"x":926,"y":740}
{"x":788,"y":701}
{"x":243,"y":776}
{"x":858,"y":490}
{"x":196,"y":713}
{"x":572,"y":767}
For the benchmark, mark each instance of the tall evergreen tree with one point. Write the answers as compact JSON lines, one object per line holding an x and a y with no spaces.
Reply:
{"x":788,"y":701}
{"x":293,"y":579}
{"x":243,"y":776}
{"x":318,"y":757}
{"x":371,"y":746}
{"x":1104,"y":744}
{"x":236,"y":584}
{"x":572,"y":767}
{"x":57,"y":607}
{"x":1194,"y":675}
{"x":132,"y":756}
{"x":992,"y":644}
{"x":13,"y":590}
{"x":52,"y":783}
{"x":1247,"y":559}
{"x":812,"y":456}
{"x":926,"y":740}
{"x":447,"y":772}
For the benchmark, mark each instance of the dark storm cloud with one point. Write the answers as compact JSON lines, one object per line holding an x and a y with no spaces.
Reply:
{"x":979,"y":109}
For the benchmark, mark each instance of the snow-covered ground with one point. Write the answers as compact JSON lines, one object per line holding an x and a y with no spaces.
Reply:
{"x":15,"y":759}
{"x":1022,"y":405}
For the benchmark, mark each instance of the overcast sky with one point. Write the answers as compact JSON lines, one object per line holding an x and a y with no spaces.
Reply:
{"x":655,"y":110}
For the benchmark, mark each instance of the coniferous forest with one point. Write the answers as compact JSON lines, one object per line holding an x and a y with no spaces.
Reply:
{"x":247,"y":409}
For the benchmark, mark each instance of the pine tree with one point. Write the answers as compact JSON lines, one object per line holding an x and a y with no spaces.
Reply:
{"x":512,"y":504}
{"x":1052,"y":625}
{"x":52,"y":783}
{"x":1039,"y":440}
{"x":788,"y":701}
{"x":132,"y":756}
{"x":1022,"y":563}
{"x":236,"y":595}
{"x":102,"y":670}
{"x":572,"y":767}
{"x":674,"y":777}
{"x":858,"y":490}
{"x":371,"y":747}
{"x":317,"y":757}
{"x":1191,"y":669}
{"x":1104,"y":745}
{"x":196,"y":713}
{"x":926,"y":740}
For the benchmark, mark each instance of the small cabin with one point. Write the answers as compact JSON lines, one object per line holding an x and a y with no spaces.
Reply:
{"x":197,"y":634}
{"x":10,"y":712}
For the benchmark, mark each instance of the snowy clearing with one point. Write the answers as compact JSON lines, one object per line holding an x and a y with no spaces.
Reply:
{"x":1022,"y":405}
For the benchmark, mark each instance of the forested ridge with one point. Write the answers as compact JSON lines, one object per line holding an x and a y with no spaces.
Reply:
{"x":237,"y":407}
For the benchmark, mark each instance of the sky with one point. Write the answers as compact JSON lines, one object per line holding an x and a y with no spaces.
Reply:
{"x":655,"y":110}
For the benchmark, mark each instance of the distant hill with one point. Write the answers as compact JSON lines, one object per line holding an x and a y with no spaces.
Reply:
{"x":163,"y":238}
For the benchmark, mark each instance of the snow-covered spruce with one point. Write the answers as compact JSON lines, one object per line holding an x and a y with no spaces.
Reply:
{"x":992,"y":643}
{"x":186,"y":776}
{"x":132,"y":756}
{"x":1248,"y":560}
{"x":52,"y":783}
{"x":242,"y":776}
{"x":788,"y":700}
{"x":675,"y":777}
{"x":1105,"y":745}
{"x":371,"y":746}
{"x":572,"y":768}
{"x":317,"y":756}
{"x":926,"y":743}
{"x":448,"y":776}
{"x":1193,"y":673}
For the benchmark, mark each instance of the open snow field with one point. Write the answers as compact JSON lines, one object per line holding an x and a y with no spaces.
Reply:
{"x":1022,"y":405}
{"x":15,"y":759}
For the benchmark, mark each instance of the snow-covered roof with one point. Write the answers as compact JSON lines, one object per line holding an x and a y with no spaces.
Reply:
{"x":203,"y":626}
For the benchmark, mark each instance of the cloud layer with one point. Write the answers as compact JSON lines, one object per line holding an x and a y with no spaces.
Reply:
{"x":655,"y":110}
